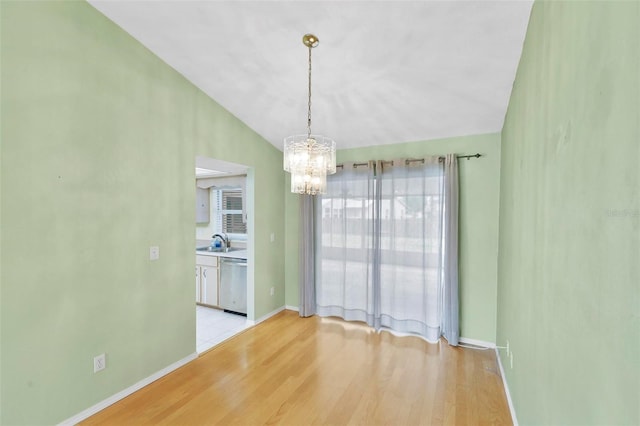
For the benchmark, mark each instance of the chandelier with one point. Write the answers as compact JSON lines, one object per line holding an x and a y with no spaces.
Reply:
{"x":308,"y":157}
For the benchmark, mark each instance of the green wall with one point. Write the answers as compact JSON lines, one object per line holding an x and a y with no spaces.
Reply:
{"x":99,"y":139}
{"x":569,"y":280}
{"x":479,"y":185}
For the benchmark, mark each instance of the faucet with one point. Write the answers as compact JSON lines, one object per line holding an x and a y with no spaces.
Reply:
{"x":223,"y":237}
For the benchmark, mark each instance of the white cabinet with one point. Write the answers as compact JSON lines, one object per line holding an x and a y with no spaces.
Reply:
{"x":203,"y":208}
{"x":198,"y":272}
{"x":207,"y":279}
{"x":209,"y":285}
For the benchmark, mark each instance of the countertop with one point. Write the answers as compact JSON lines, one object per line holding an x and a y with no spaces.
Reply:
{"x":239,"y":254}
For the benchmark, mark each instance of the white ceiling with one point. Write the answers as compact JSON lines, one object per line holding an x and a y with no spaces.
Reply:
{"x":384,"y":72}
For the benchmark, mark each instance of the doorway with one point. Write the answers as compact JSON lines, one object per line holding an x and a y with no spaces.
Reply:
{"x":223,"y":234}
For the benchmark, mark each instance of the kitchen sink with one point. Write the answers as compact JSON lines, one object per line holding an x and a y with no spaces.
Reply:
{"x":219,"y":249}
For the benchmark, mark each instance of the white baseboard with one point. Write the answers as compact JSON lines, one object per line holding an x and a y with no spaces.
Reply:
{"x":506,"y":391}
{"x":292,"y":308}
{"x":492,"y":345}
{"x":126,"y":392}
{"x":267,"y":316}
{"x":477,"y":342}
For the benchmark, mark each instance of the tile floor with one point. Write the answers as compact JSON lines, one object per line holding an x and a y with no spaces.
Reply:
{"x":214,"y":326}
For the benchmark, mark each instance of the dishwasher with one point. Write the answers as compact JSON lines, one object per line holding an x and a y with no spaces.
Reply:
{"x":233,"y":285}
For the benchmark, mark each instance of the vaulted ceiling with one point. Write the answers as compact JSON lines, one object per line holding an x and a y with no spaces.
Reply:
{"x":384,"y":72}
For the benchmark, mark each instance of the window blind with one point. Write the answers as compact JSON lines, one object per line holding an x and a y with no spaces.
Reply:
{"x":231,"y":210}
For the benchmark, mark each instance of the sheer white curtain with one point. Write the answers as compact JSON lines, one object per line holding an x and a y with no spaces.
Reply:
{"x":380,"y":249}
{"x":344,"y":244}
{"x":411,"y":247}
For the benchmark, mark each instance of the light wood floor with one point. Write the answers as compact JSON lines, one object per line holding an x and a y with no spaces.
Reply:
{"x":301,"y":371}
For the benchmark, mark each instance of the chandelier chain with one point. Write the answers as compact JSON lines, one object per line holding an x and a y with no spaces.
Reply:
{"x":309,"y":100}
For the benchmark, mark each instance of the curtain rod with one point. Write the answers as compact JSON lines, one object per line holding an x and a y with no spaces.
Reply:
{"x":476,"y":155}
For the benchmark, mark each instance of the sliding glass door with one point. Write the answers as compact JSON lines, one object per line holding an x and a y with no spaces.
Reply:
{"x":380,"y":245}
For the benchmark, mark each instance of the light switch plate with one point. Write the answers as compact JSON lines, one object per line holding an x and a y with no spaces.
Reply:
{"x":273,"y":237}
{"x":154,"y":253}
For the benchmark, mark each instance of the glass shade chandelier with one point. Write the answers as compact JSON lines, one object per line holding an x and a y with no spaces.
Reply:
{"x":308,"y":157}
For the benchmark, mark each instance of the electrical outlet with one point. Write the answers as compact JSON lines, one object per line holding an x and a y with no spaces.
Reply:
{"x":272,"y":237}
{"x":511,"y":359}
{"x":99,"y":363}
{"x":273,"y":291}
{"x":154,"y":253}
{"x":507,"y":348}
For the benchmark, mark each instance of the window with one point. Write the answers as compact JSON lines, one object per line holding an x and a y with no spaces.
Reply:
{"x":229,"y":216}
